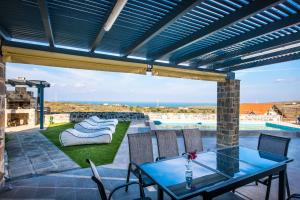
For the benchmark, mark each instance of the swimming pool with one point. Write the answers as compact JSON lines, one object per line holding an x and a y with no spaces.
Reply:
{"x":211,"y":126}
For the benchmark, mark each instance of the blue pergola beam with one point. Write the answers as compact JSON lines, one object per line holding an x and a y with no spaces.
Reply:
{"x":272,"y":27}
{"x":101,"y":32}
{"x":267,"y":60}
{"x":4,"y":34}
{"x":216,"y":63}
{"x":180,"y":11}
{"x":243,"y":13}
{"x":46,"y":21}
{"x":98,"y":39}
{"x":257,"y":58}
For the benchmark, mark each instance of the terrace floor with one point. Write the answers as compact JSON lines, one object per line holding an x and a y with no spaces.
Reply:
{"x":76,"y":184}
{"x":31,"y":153}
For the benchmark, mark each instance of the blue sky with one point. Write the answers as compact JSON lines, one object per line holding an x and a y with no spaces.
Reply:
{"x":278,"y":82}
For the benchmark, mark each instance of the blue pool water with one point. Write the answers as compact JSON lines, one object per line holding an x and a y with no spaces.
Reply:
{"x":212,"y":126}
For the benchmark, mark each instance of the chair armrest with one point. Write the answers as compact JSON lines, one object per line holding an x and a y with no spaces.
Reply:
{"x":121,"y":186}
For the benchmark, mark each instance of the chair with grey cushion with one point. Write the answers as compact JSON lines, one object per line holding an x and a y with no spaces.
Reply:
{"x":103,"y":193}
{"x":140,"y":151}
{"x":276,"y":145}
{"x":166,"y":143}
{"x":192,"y":140}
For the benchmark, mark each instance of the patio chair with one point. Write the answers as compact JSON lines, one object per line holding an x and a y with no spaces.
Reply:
{"x":71,"y":137}
{"x":277,"y":145}
{"x":104,"y":193}
{"x":192,"y":140}
{"x":166,"y":143}
{"x":140,"y":151}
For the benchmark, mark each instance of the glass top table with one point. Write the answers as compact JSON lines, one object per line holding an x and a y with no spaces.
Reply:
{"x":222,"y":169}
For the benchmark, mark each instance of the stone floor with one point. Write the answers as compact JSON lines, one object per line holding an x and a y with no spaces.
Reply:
{"x":76,"y":184}
{"x":30,"y":153}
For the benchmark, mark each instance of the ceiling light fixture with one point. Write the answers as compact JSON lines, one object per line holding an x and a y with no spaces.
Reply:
{"x":114,"y":14}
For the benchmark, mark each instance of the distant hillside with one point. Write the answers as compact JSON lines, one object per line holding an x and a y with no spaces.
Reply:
{"x":78,"y":107}
{"x":290,"y":110}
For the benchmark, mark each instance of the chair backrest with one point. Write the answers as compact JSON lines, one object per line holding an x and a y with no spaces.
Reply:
{"x":167,"y":143}
{"x":140,"y":147}
{"x":97,"y":179}
{"x":273,"y":144}
{"x":192,"y":140}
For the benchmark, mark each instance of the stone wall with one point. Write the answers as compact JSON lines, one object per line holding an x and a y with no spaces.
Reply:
{"x":164,"y":117}
{"x":178,"y":117}
{"x":195,"y":118}
{"x":265,"y":118}
{"x":2,"y":118}
{"x":20,"y":98}
{"x":79,"y":116}
{"x":228,"y":109}
{"x":122,"y":116}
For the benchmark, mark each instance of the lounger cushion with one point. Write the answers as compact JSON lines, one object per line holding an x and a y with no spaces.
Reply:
{"x":97,"y":119}
{"x":71,"y":137}
{"x":91,"y":122}
{"x":88,"y":128}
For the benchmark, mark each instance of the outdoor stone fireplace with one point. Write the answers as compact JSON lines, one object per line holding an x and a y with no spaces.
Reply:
{"x":20,"y":108}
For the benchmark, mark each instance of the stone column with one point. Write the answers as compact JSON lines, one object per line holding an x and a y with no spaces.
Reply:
{"x":228,"y":112}
{"x":2,"y":117}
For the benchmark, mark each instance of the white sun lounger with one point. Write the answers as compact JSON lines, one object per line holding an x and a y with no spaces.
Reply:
{"x":98,"y":120}
{"x":71,"y":137}
{"x":91,"y":122}
{"x":85,"y":127}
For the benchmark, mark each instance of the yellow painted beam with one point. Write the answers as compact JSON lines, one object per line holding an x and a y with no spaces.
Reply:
{"x":37,"y":57}
{"x":189,"y":74}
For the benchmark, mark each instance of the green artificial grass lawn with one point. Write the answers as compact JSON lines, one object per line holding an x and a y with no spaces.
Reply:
{"x":99,"y":153}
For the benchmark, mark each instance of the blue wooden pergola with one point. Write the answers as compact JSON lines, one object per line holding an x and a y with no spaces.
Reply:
{"x":217,"y":36}
{"x":40,"y":85}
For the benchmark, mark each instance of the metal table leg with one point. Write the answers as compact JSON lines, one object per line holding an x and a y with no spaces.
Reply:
{"x":160,"y":194}
{"x":282,"y":184}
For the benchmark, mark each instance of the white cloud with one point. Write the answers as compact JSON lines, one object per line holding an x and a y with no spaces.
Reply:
{"x":278,"y":80}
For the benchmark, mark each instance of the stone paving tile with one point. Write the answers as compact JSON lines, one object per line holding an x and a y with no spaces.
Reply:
{"x":43,"y":165}
{"x":65,"y":193}
{"x":22,"y":171}
{"x":30,"y":153}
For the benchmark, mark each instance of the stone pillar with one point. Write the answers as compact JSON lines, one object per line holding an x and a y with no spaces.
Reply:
{"x":2,"y":117}
{"x":228,"y":112}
